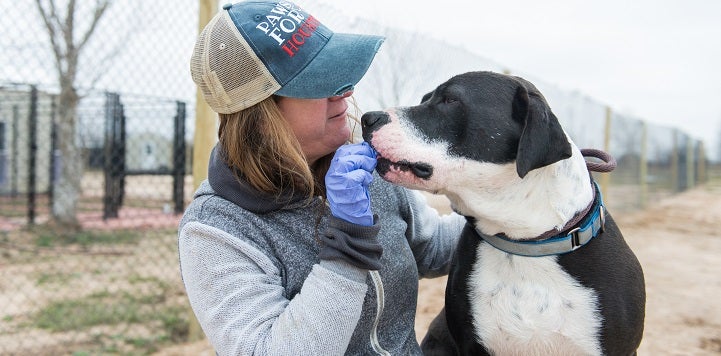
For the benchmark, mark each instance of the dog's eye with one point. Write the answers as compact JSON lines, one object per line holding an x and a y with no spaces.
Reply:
{"x":448,"y":100}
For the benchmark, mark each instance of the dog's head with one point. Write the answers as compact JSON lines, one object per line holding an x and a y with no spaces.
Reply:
{"x":484,"y":117}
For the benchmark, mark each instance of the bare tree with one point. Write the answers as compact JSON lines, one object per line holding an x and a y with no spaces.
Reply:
{"x":67,"y":46}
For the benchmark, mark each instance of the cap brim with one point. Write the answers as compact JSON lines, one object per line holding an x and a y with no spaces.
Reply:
{"x":337,"y":68}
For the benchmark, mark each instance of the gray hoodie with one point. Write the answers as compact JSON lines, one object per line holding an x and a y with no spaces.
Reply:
{"x":255,"y":281}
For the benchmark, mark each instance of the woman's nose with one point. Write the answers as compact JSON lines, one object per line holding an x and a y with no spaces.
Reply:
{"x":342,"y":96}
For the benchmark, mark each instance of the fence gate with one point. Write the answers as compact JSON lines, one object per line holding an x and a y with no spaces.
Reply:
{"x":115,"y":167}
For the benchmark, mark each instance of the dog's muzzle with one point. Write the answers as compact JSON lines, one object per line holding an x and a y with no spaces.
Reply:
{"x":371,"y":122}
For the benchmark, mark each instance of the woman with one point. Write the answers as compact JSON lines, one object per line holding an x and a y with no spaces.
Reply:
{"x":291,"y":247}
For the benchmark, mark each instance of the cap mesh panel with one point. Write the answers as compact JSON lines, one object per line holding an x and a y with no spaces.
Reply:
{"x":226,"y":69}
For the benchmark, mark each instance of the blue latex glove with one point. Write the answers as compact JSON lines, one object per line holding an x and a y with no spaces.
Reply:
{"x":347,"y":182}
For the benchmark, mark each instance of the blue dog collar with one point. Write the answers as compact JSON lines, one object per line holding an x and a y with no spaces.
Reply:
{"x":589,"y":228}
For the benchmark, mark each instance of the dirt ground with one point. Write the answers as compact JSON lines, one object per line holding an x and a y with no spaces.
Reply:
{"x":678,"y":242}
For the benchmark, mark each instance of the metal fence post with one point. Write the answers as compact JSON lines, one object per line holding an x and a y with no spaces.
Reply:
{"x":3,"y":156}
{"x":32,"y":152}
{"x":114,"y":166}
{"x":179,"y":158}
{"x":14,"y":161}
{"x":54,"y":166}
{"x":108,"y":210}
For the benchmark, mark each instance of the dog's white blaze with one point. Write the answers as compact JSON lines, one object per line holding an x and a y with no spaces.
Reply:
{"x":531,"y":306}
{"x":398,"y":140}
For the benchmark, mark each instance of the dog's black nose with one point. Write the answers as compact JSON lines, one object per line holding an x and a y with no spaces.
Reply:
{"x":372,"y":120}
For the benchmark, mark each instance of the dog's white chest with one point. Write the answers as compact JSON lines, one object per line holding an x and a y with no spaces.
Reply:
{"x":531,"y":306}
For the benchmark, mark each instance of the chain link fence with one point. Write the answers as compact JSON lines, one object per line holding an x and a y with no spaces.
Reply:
{"x":114,"y":283}
{"x":654,"y":161}
{"x":113,"y":286}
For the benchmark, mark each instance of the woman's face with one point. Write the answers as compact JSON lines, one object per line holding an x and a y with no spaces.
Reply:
{"x":319,"y":124}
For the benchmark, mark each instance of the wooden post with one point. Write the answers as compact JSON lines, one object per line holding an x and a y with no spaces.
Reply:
{"x":605,"y":177}
{"x":690,"y":159}
{"x":674,"y":163}
{"x":643,"y":169}
{"x":701,"y":157}
{"x":205,"y":134}
{"x":203,"y":140}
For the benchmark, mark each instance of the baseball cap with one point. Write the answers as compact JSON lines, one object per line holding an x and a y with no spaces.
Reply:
{"x":253,"y":49}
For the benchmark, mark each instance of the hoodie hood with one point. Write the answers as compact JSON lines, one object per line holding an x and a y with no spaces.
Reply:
{"x":227,"y":185}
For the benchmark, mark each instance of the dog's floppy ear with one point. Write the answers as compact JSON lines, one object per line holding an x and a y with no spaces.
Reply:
{"x":543,"y":141}
{"x":426,"y":97}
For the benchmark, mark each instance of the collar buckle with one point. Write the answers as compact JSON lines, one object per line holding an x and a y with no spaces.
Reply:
{"x":575,"y":239}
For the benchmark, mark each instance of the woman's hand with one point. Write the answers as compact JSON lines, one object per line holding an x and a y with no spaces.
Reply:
{"x":347,"y":182}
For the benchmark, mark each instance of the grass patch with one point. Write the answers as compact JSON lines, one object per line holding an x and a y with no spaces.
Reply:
{"x":97,"y":309}
{"x":56,"y":277}
{"x":167,"y":323}
{"x":49,"y":238}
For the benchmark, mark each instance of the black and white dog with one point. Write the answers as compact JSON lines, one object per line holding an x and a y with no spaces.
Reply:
{"x":540,"y":268}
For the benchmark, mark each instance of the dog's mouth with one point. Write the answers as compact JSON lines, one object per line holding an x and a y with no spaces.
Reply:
{"x":419,"y":169}
{"x":387,"y":167}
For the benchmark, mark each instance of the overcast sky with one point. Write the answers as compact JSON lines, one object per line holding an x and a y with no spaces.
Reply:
{"x":656,"y":60}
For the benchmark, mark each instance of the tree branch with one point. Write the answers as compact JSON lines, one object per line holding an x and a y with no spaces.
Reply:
{"x":50,"y":19}
{"x":69,"y":26}
{"x":68,"y":42}
{"x":104,"y":63}
{"x":100,"y":7}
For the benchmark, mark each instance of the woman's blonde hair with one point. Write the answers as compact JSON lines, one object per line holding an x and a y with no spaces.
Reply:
{"x":262,"y":149}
